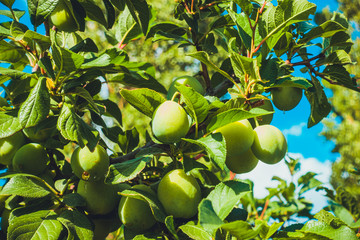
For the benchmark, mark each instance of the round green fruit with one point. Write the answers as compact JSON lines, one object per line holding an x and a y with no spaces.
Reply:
{"x":286,"y":98}
{"x":187,"y":81}
{"x":242,"y":163}
{"x":38,"y":135}
{"x":179,"y":193}
{"x":264,"y":119}
{"x":269,"y":144}
{"x":30,"y":158}
{"x":90,"y":166}
{"x":239,"y":136}
{"x":100,"y":198}
{"x":9,"y":146}
{"x":62,"y":18}
{"x":136,"y":214}
{"x":170,"y":122}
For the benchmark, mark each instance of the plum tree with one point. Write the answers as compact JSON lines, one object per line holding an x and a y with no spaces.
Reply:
{"x":9,"y":146}
{"x":62,"y":18}
{"x":286,"y":98}
{"x":179,"y":193}
{"x":270,"y":145}
{"x":100,"y":198}
{"x":187,"y":81}
{"x":136,"y":214}
{"x":38,"y":135}
{"x":170,"y":122}
{"x":90,"y":166}
{"x":239,"y":136}
{"x":31,"y":158}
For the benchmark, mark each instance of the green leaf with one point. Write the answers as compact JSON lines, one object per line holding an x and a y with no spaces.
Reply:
{"x":291,"y":81}
{"x":86,"y":45}
{"x":39,"y":10}
{"x":204,"y":58}
{"x":37,"y":106}
{"x":15,"y":75}
{"x":221,"y":22}
{"x":65,"y":59}
{"x":275,"y":20}
{"x":338,"y":57}
{"x":165,"y":27}
{"x":325,"y":230}
{"x":37,"y":225}
{"x":111,"y":109}
{"x":195,"y":232}
{"x":73,"y":128}
{"x":7,"y":3}
{"x":139,"y":9}
{"x":94,"y":12}
{"x":128,"y":140}
{"x":77,"y":224}
{"x":169,"y":222}
{"x":22,"y":186}
{"x":233,"y":115}
{"x":9,"y":125}
{"x":152,"y":200}
{"x":245,"y":5}
{"x":125,"y":171}
{"x":226,"y":195}
{"x":208,"y":218}
{"x":320,"y":106}
{"x":11,"y":53}
{"x":342,"y":213}
{"x":46,"y":64}
{"x":241,"y":229}
{"x":81,"y":92}
{"x":267,"y":231}
{"x":144,"y":100}
{"x":197,"y":105}
{"x":128,"y":28}
{"x":327,"y":29}
{"x":74,"y":200}
{"x":42,"y":41}
{"x":215,"y":146}
{"x":244,"y":65}
{"x":18,"y":30}
{"x":18,"y":14}
{"x":339,"y":75}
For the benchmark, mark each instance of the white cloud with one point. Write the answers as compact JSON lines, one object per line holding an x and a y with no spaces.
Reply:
{"x":295,"y":130}
{"x":262,"y":174}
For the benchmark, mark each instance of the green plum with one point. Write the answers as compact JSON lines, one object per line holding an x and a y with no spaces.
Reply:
{"x":90,"y":166}
{"x":170,"y":122}
{"x":31,"y":158}
{"x":100,"y":198}
{"x":62,"y":18}
{"x":187,"y":81}
{"x":270,"y":145}
{"x":286,"y":98}
{"x":136,"y":214}
{"x":9,"y":146}
{"x":179,"y":193}
{"x":239,"y":136}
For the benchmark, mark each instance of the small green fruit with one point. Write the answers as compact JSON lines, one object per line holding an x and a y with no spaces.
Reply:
{"x":9,"y":146}
{"x":187,"y":81}
{"x":100,"y":198}
{"x":62,"y":18}
{"x":170,"y":122}
{"x":136,"y":214}
{"x":30,"y":158}
{"x":179,"y":193}
{"x":286,"y":98}
{"x":90,"y":166}
{"x":242,"y":163}
{"x":269,"y":144}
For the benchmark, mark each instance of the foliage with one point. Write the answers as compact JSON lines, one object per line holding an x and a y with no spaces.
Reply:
{"x":263,"y":44}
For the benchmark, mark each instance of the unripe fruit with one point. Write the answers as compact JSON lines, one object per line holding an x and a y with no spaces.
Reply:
{"x":286,"y":98}
{"x":9,"y":146}
{"x":179,"y":193}
{"x":90,"y":166}
{"x":30,"y":158}
{"x":187,"y":81}
{"x":100,"y":198}
{"x":269,"y":144}
{"x":239,"y":137}
{"x":170,"y":122}
{"x":242,"y":163}
{"x":136,"y":214}
{"x":38,"y":135}
{"x":62,"y":18}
